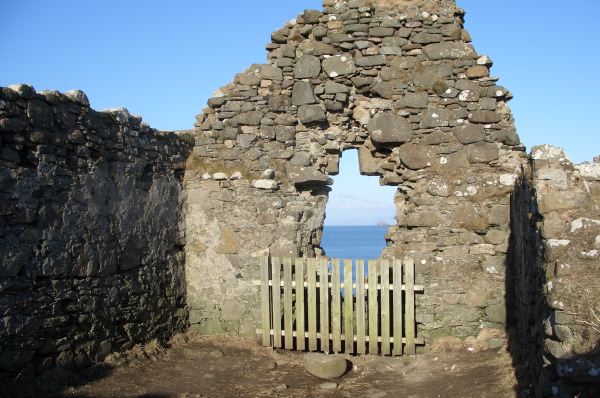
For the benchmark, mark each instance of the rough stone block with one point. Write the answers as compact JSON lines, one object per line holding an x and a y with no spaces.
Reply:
{"x":367,"y":164}
{"x":446,"y":50}
{"x":303,"y":94}
{"x":311,"y":114}
{"x":387,"y":128}
{"x":338,"y":65}
{"x":482,"y":152}
{"x":307,"y":66}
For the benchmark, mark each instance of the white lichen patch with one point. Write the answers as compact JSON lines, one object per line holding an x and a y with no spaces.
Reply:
{"x":583,"y":223}
{"x":508,"y":180}
{"x":490,"y":269}
{"x":558,"y":242}
{"x":471,"y":190}
{"x":484,"y":60}
{"x":220,"y":176}
{"x":590,"y":254}
{"x":548,"y":152}
{"x":589,"y":170}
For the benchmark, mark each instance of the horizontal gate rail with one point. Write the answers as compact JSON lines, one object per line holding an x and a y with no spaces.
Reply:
{"x":307,"y":305}
{"x":417,"y":288}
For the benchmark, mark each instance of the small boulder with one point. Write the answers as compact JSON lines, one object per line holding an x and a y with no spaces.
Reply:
{"x":325,"y":366}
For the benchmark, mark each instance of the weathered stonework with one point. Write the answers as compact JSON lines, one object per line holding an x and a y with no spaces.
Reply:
{"x":91,"y":251}
{"x":405,"y":87}
{"x":111,"y":233}
{"x":554,"y":279}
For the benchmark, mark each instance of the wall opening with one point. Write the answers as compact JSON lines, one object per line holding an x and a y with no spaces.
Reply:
{"x":358,"y":213}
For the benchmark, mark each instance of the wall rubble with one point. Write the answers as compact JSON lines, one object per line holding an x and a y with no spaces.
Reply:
{"x":90,"y":235}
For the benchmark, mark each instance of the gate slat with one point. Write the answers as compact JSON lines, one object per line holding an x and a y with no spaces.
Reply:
{"x":276,"y":278}
{"x":360,"y":307}
{"x":409,"y":282}
{"x":336,"y":313}
{"x":348,"y":307}
{"x":312,"y":304}
{"x":373,"y":313}
{"x":265,"y":304}
{"x":324,"y":307}
{"x":397,"y":307}
{"x":288,"y":321}
{"x":384,"y":302}
{"x":385,"y":307}
{"x":300,"y":326}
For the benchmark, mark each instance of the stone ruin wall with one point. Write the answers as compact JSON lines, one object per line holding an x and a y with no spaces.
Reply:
{"x":100,"y":215}
{"x":91,"y":247}
{"x":406,"y":88}
{"x":554,"y":274}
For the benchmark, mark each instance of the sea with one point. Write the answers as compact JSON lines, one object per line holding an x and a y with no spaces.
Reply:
{"x":353,"y":241}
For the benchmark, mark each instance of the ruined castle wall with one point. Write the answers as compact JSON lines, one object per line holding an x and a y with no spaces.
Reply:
{"x":405,"y":87}
{"x":554,"y":278}
{"x":91,"y":256}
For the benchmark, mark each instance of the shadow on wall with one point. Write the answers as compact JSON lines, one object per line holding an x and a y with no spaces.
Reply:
{"x":533,"y":325}
{"x":91,"y":246}
{"x":524,"y":284}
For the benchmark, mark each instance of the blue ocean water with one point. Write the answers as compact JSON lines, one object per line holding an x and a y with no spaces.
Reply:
{"x":354,"y":241}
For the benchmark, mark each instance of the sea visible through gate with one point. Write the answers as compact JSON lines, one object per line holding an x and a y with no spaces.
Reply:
{"x":353,"y":241}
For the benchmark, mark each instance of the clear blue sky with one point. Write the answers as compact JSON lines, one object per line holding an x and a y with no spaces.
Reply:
{"x":162,"y":59}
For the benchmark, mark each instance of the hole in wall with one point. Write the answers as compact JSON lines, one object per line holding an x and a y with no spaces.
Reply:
{"x":358,"y":213}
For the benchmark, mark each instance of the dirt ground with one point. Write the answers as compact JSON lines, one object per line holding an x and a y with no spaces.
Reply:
{"x":215,"y":367}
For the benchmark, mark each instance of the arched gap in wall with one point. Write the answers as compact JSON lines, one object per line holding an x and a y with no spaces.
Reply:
{"x":358,"y":212}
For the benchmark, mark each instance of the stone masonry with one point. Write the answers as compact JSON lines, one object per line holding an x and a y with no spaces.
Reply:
{"x":113,"y":233}
{"x":554,"y":278}
{"x":91,"y":247}
{"x":403,"y":86}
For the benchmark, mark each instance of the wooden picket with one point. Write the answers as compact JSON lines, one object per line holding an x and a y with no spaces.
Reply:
{"x":305,"y":300}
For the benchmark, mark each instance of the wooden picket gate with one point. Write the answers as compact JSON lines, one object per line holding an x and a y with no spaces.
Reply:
{"x":380,"y":314}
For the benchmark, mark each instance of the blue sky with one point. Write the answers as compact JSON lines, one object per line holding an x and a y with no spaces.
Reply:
{"x":162,"y":60}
